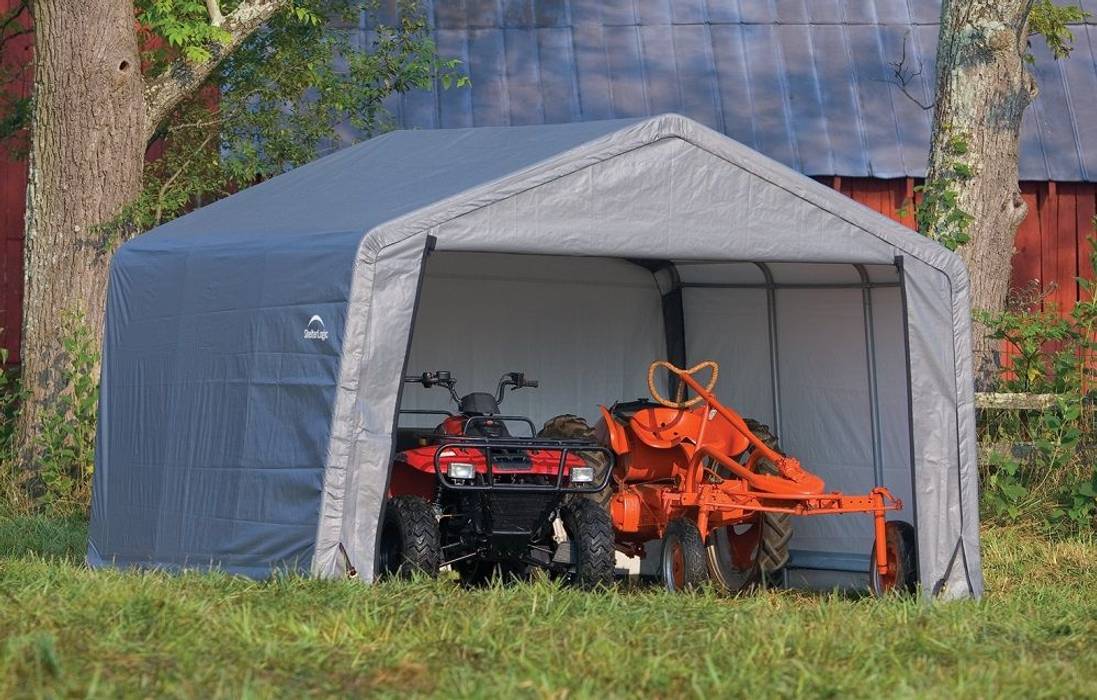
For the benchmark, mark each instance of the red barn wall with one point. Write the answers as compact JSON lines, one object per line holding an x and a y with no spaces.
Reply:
{"x":13,"y":187}
{"x":1052,"y":244}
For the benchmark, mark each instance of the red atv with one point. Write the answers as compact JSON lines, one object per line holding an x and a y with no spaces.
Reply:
{"x":471,"y":495}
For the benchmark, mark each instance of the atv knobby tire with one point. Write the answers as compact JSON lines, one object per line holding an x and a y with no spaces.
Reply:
{"x":410,"y":542}
{"x":682,"y":561}
{"x":590,"y":533}
{"x":572,"y":427}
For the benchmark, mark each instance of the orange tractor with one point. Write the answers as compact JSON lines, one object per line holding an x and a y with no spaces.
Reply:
{"x":720,"y":495}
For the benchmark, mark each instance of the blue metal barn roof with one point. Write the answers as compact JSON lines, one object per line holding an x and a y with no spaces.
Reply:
{"x":807,"y":82}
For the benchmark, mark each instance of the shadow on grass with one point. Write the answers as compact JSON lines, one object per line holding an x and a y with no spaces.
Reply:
{"x":52,"y":538}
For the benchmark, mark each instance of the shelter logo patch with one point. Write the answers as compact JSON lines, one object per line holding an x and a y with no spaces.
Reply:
{"x":315,"y":330}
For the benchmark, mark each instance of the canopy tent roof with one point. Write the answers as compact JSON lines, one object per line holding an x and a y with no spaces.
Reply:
{"x":377,"y":181}
{"x":229,"y":439}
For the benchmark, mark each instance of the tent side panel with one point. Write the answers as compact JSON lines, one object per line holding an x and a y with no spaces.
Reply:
{"x":382,"y":307}
{"x":219,"y":375}
{"x":943,"y":420}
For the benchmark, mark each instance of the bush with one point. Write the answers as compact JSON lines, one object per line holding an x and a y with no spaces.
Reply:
{"x":63,"y":455}
{"x":11,"y":497}
{"x":1038,"y":465}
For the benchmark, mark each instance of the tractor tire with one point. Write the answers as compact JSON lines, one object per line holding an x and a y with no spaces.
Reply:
{"x":682,"y":561}
{"x":410,"y":542}
{"x":768,"y":545}
{"x":572,"y":427}
{"x":901,"y":543}
{"x":772,"y":554}
{"x":590,"y":533}
{"x":777,"y":530}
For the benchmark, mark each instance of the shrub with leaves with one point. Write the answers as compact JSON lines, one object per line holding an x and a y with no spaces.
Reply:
{"x":1040,"y":464}
{"x":12,"y":496}
{"x":66,"y":445}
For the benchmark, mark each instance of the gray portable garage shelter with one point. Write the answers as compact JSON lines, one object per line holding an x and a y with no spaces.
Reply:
{"x":255,"y":348}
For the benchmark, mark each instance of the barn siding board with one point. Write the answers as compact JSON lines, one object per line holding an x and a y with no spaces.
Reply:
{"x":1048,"y":211}
{"x":1051,"y":248}
{"x":1085,"y":224}
{"x":1066,"y":246}
{"x":13,"y":189}
{"x":1027,"y":246}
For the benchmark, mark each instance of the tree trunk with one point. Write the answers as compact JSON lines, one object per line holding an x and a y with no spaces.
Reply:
{"x":86,"y":159}
{"x":93,"y":115}
{"x":983,"y":88}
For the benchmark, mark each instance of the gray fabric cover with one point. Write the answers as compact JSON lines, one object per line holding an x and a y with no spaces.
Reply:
{"x":234,"y":435}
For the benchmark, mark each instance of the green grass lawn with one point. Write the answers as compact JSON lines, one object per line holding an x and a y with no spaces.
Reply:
{"x":67,"y":631}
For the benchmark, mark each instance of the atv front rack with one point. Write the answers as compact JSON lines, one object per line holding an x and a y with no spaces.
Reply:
{"x":488,"y":446}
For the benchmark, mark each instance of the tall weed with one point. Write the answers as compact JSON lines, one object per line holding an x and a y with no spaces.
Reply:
{"x":11,"y":495}
{"x":57,"y":479}
{"x":65,"y":445}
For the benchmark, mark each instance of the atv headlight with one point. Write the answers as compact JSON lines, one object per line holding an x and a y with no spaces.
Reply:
{"x":460,"y":470}
{"x":582,"y":475}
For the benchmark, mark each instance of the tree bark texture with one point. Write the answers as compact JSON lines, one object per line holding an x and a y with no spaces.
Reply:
{"x":983,"y":88}
{"x":86,"y":160}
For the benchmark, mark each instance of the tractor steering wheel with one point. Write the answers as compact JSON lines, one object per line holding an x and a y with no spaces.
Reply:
{"x":680,"y":394}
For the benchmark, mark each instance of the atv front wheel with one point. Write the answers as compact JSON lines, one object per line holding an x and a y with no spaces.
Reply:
{"x":590,"y":534}
{"x":410,"y":542}
{"x":683,"y":556}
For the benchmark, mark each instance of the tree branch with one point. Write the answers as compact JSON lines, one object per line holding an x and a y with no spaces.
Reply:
{"x":903,"y":77}
{"x":182,"y":78}
{"x":215,"y":16}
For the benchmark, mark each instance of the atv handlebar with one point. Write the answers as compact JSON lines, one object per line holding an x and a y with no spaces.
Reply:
{"x":441,"y":377}
{"x":514,"y":379}
{"x":429,"y":379}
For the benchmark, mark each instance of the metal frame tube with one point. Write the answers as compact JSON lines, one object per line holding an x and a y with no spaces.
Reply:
{"x":788,"y":285}
{"x":873,"y":387}
{"x":771,"y":315}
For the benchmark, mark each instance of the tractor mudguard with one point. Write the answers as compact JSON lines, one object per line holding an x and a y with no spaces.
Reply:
{"x":610,"y":432}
